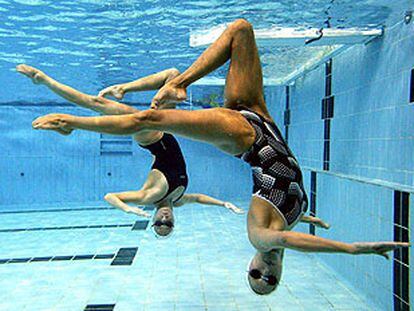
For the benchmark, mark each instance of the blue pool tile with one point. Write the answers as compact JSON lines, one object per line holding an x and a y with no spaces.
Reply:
{"x":221,"y":283}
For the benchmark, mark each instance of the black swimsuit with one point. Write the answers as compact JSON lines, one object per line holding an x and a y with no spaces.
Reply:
{"x":277,"y":178}
{"x":169,"y":160}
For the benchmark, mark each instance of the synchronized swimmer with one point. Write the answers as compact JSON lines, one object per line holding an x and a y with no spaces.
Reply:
{"x":167,"y":181}
{"x":243,"y":128}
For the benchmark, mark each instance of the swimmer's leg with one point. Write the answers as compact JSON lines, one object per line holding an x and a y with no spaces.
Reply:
{"x":244,"y":82}
{"x":206,"y":200}
{"x":96,"y":103}
{"x":151,"y":82}
{"x":154,"y":189}
{"x":99,"y":103}
{"x":226,"y":129}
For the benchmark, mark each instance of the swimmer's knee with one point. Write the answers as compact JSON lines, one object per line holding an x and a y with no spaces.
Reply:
{"x":97,"y":100}
{"x":149,"y":196}
{"x":146,"y":195}
{"x":242,"y":24}
{"x":144,"y":119}
{"x":174,"y":72}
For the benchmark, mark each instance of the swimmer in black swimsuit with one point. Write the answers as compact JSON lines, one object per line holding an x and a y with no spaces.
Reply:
{"x":167,"y":180}
{"x":242,"y":128}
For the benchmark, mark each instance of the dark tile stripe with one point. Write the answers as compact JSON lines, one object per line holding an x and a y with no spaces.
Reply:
{"x":19,"y":260}
{"x":57,"y":210}
{"x":56,"y":258}
{"x":83,"y":257}
{"x":140,"y":225}
{"x":100,"y":307}
{"x":412,"y":86}
{"x":327,"y":113}
{"x":401,"y":264}
{"x":125,"y":256}
{"x":287,"y":113}
{"x":104,"y":256}
{"x":68,"y":228}
{"x":312,"y":201}
{"x":62,"y":258}
{"x":36,"y":259}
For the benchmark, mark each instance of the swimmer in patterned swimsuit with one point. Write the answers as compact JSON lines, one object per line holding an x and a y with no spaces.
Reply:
{"x":167,"y":180}
{"x":243,"y":128}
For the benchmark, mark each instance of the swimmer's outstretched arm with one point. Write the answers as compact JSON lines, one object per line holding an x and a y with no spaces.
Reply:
{"x":315,"y":221}
{"x":96,"y":103}
{"x":151,"y":82}
{"x":207,"y":200}
{"x":267,"y":240}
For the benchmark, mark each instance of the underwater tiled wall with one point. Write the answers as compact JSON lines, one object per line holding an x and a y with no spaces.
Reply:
{"x":355,"y":114}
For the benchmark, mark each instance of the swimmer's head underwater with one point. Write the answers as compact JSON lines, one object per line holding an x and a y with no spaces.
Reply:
{"x":264,"y":272}
{"x":163,"y":221}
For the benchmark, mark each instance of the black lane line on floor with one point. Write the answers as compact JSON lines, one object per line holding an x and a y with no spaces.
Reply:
{"x":312,"y":211}
{"x":101,"y":307}
{"x":327,"y":114}
{"x":401,"y":264}
{"x":138,"y":225}
{"x":57,"y":258}
{"x":125,"y":256}
{"x":58,"y":210}
{"x":68,"y":228}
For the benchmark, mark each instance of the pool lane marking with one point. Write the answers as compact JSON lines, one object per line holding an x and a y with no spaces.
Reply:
{"x":56,"y":258}
{"x":138,"y":225}
{"x":56,"y":210}
{"x":123,"y":257}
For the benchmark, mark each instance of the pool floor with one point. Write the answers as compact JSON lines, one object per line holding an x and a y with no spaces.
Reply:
{"x":92,"y":257}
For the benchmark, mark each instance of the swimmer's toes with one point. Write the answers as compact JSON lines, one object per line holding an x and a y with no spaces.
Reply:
{"x":29,"y":72}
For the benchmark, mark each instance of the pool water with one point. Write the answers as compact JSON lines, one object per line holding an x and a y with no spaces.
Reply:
{"x":201,"y":267}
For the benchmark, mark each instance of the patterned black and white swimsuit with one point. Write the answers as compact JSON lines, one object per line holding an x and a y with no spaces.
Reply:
{"x":277,"y":178}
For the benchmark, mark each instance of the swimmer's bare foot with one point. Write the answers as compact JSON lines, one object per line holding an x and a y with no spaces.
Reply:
{"x":167,"y":95}
{"x":116,"y":91}
{"x":36,"y":75}
{"x":56,"y":121}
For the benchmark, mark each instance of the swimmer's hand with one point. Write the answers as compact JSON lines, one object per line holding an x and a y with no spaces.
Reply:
{"x":116,"y":91}
{"x":169,"y":95}
{"x":34,"y":74}
{"x":55,"y":122}
{"x":138,"y":211}
{"x":378,"y":248}
{"x":233,"y":208}
{"x":315,"y":221}
{"x":321,"y":224}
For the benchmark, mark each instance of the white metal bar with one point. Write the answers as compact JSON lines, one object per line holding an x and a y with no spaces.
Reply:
{"x":287,"y":36}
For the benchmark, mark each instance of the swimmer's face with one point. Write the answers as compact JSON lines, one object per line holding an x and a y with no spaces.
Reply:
{"x":163,"y":222}
{"x":265,"y":271}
